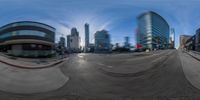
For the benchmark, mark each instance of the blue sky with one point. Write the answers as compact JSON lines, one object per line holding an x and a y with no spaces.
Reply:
{"x":116,"y":16}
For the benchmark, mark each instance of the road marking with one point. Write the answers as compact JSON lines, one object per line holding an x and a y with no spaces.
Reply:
{"x":105,"y":65}
{"x":109,"y":66}
{"x":80,"y":56}
{"x":101,"y":64}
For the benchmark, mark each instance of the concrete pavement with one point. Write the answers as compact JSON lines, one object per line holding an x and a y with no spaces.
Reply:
{"x":27,"y":76}
{"x":26,"y":81}
{"x":29,"y":63}
{"x":165,"y":80}
{"x":126,"y":68}
{"x":194,"y":54}
{"x":191,"y":67}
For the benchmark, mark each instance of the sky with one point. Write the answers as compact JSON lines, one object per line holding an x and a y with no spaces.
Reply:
{"x":119,"y":17}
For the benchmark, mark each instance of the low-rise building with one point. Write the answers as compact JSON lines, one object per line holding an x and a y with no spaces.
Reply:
{"x":190,"y":43}
{"x":27,"y":39}
{"x":183,"y":39}
{"x":193,"y":43}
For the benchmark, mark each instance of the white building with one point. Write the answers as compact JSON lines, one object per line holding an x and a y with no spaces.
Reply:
{"x":74,"y":41}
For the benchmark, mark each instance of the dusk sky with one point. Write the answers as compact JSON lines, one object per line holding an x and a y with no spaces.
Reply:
{"x":116,"y":16}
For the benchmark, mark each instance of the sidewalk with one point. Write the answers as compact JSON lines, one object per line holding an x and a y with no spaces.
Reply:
{"x":191,"y":67}
{"x":194,"y":54}
{"x":28,"y":81}
{"x":30,"y":63}
{"x":27,"y":76}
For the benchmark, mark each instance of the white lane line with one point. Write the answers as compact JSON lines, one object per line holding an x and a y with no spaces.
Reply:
{"x":101,"y":64}
{"x":80,"y":56}
{"x":110,"y":66}
{"x":105,"y":65}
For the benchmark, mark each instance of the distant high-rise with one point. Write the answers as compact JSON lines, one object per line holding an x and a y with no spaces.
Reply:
{"x":126,"y":43}
{"x":74,"y":32}
{"x":153,"y":31}
{"x":73,"y":41}
{"x":87,"y":32}
{"x":102,"y":41}
{"x":172,"y":38}
{"x":116,"y":45}
{"x":62,"y":42}
{"x":68,"y":41}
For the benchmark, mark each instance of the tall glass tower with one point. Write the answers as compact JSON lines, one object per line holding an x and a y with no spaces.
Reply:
{"x":172,"y":38}
{"x":153,"y":31}
{"x":86,"y":37}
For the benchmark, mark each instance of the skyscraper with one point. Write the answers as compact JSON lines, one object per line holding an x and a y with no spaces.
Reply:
{"x":87,"y":37}
{"x":153,"y":31}
{"x":74,"y":32}
{"x":172,"y":38}
{"x":102,"y":41}
{"x":68,"y":41}
{"x":73,"y":41}
{"x":62,"y":42}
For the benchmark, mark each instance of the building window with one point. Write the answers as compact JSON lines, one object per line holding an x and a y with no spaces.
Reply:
{"x":33,"y":45}
{"x":23,"y":32}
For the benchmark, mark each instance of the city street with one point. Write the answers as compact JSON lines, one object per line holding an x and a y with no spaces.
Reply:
{"x":157,"y":74}
{"x":100,"y":50}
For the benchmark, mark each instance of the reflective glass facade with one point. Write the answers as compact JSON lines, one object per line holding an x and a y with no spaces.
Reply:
{"x":27,"y":39}
{"x":27,"y":29}
{"x":23,"y":32}
{"x":153,"y":31}
{"x":102,"y":41}
{"x":27,"y":23}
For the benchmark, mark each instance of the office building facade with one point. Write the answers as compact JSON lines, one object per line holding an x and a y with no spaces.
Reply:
{"x":183,"y":40}
{"x":27,"y":39}
{"x":87,"y":32}
{"x":68,"y":41}
{"x":62,"y":42}
{"x":126,"y":43}
{"x":102,"y":41}
{"x":197,"y":40}
{"x":73,"y":41}
{"x":153,"y":31}
{"x":190,"y":43}
{"x":172,"y":38}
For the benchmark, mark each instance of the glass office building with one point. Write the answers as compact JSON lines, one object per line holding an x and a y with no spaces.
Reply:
{"x":27,"y":39}
{"x":153,"y":31}
{"x":197,"y":40}
{"x":102,"y":41}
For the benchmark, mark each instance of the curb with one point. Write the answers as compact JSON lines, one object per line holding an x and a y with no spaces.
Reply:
{"x":32,"y":67}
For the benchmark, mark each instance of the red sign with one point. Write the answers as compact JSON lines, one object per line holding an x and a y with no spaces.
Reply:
{"x":138,"y":46}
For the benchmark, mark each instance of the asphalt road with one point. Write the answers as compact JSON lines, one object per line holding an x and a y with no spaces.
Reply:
{"x":153,"y":75}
